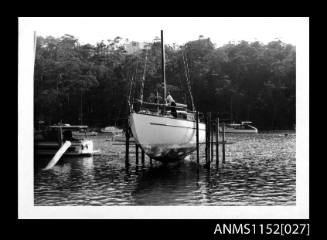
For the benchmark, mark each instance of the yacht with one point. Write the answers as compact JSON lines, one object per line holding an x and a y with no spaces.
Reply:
{"x":165,"y":133}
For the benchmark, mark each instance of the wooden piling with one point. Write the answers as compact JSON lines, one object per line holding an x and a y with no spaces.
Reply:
{"x":60,"y":137}
{"x":206,"y":138}
{"x":197,"y":137}
{"x":137,"y":154}
{"x":142,"y":151}
{"x":217,"y":143}
{"x":223,"y":142}
{"x":127,"y":144}
{"x":209,"y":138}
{"x":211,"y":134}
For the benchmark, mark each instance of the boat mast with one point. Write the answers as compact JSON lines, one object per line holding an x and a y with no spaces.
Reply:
{"x":163,"y":65}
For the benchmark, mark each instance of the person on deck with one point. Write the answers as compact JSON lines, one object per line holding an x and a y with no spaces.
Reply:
{"x":152,"y":98}
{"x":157,"y":99}
{"x":172,"y":103}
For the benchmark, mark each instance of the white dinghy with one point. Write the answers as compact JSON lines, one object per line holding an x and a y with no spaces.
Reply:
{"x":244,"y":127}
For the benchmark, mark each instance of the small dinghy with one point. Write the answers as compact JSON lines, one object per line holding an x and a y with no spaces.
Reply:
{"x":244,"y":127}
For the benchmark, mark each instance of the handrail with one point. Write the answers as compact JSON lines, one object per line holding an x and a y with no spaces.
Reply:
{"x":159,"y":104}
{"x":165,"y":105}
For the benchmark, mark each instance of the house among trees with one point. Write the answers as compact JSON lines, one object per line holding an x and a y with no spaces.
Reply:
{"x":201,"y":42}
{"x":133,"y":47}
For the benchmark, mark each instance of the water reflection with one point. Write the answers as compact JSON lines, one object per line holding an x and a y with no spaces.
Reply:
{"x":171,"y":183}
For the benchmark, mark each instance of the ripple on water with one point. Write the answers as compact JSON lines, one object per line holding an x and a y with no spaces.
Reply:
{"x":260,"y":170}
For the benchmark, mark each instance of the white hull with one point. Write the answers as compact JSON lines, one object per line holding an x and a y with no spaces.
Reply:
{"x":85,"y":134}
{"x":112,"y":130}
{"x":233,"y":130}
{"x":165,"y":138}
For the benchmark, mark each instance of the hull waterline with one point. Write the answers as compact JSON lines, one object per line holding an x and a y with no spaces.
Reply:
{"x":165,"y":138}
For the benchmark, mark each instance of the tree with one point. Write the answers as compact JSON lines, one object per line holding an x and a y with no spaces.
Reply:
{"x":90,"y":84}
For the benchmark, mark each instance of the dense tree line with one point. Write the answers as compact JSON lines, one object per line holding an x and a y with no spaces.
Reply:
{"x":90,"y":84}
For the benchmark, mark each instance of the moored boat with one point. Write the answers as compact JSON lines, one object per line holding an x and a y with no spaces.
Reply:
{"x":166,"y":132}
{"x":243,"y":127}
{"x":48,"y":142}
{"x":112,"y":130}
{"x":84,"y":132}
{"x":165,"y":138}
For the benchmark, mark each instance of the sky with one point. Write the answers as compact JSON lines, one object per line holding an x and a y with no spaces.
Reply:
{"x":177,"y":30}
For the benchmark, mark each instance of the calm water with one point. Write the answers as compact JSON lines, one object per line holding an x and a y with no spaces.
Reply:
{"x":259,"y":170}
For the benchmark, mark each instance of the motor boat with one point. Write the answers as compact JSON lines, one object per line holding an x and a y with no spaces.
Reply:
{"x":243,"y":127}
{"x":50,"y":140}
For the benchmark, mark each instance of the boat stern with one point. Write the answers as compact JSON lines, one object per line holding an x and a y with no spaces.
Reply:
{"x":86,"y":147}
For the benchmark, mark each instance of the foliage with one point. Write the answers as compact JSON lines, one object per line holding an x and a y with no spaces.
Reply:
{"x":90,"y":84}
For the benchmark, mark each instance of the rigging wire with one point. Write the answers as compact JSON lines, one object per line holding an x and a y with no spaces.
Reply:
{"x":187,"y":74}
{"x":143,"y":77}
{"x":182,"y":89}
{"x":132,"y":82}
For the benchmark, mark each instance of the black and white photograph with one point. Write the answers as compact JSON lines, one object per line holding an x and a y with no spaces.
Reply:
{"x":163,"y":117}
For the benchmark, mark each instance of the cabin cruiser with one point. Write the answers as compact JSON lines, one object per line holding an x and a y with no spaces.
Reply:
{"x":244,"y":127}
{"x":50,"y":140}
{"x":112,"y":130}
{"x":84,"y":132}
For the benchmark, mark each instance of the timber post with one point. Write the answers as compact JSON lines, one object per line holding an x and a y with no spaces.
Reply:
{"x":197,"y":137}
{"x":142,"y":154}
{"x":223,"y":142}
{"x":209,"y":139}
{"x":127,"y":144}
{"x":60,"y":137}
{"x":212,"y":127}
{"x":137,"y":153}
{"x":206,"y":138}
{"x":217,"y":143}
